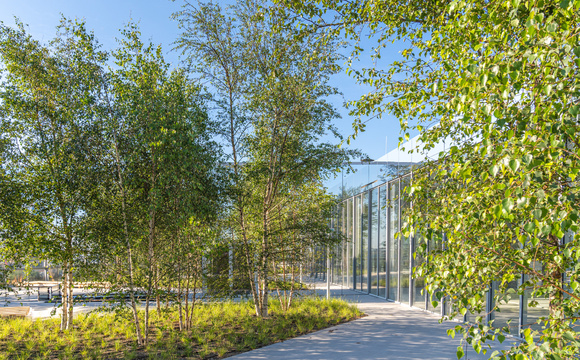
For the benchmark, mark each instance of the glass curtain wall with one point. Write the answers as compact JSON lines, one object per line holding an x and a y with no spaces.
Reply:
{"x":535,"y":306}
{"x":374,"y":241}
{"x":382,"y":240}
{"x":433,"y":245}
{"x":349,"y":242}
{"x":337,"y":276}
{"x":418,"y":283}
{"x":509,"y":308}
{"x":405,"y":249}
{"x":374,"y":258}
{"x":365,"y":242}
{"x":344,"y":245}
{"x":393,"y":255}
{"x":356,"y":240}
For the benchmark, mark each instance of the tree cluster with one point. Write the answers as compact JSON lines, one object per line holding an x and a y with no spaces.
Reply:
{"x":113,"y":168}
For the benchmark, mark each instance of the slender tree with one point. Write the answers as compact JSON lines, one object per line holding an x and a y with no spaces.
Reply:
{"x":165,"y":164}
{"x":272,"y":92}
{"x":48,"y":102}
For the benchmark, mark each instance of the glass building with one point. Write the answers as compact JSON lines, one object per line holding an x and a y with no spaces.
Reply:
{"x":374,"y":259}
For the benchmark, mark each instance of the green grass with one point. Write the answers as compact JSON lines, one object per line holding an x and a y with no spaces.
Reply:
{"x":219,"y":329}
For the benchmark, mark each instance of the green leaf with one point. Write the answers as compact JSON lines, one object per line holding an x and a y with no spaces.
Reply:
{"x":529,"y":227}
{"x":527,"y":336}
{"x":497,"y":211}
{"x":565,"y":4}
{"x":460,"y":352}
{"x":539,"y":214}
{"x":514,"y":165}
{"x":507,"y":204}
{"x":569,"y":336}
{"x":527,"y":158}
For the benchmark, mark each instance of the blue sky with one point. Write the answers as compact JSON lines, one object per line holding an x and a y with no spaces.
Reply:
{"x":106,"y":17}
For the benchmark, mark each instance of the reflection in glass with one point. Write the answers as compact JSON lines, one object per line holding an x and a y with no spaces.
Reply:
{"x":393,"y":243}
{"x":507,"y":311}
{"x":337,"y":276}
{"x":433,"y":246}
{"x":365,"y":242}
{"x":374,"y":241}
{"x":405,"y":260}
{"x":350,"y":242}
{"x":404,"y":268}
{"x":345,"y":242}
{"x":382,"y":240}
{"x":535,"y":307}
{"x":356,"y":239}
{"x":418,"y":283}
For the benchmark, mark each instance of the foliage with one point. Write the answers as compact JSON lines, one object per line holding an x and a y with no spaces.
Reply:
{"x":219,"y":330}
{"x":501,"y":79}
{"x":271,"y":93}
{"x":107,"y":170}
{"x":49,"y":97}
{"x":166,"y":161}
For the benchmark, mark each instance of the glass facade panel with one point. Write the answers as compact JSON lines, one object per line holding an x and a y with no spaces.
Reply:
{"x":349,"y":242}
{"x":418,"y":283}
{"x":382,"y":240}
{"x":356,"y":239}
{"x":434,"y":246}
{"x":535,"y":307}
{"x":473,"y":315}
{"x":344,"y":245}
{"x":507,"y":311}
{"x":374,"y":241}
{"x":405,"y":250}
{"x":338,"y":251}
{"x":393,"y":255}
{"x":365,"y":242}
{"x":405,"y":269}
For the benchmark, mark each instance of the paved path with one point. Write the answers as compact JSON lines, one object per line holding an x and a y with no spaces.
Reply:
{"x":390,"y":331}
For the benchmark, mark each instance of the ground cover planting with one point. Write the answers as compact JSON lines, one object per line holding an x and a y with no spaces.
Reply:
{"x":220,"y":329}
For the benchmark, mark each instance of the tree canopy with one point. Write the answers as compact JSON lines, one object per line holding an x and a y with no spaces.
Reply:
{"x":500,"y":81}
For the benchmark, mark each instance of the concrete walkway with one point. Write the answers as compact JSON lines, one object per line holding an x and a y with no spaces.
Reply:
{"x":390,"y":331}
